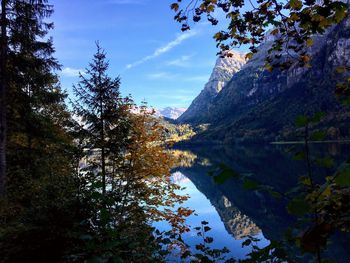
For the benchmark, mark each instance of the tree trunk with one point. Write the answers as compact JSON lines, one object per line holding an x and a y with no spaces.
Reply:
{"x":3,"y":102}
{"x":103,"y":156}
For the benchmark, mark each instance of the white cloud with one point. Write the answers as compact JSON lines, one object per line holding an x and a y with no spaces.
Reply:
{"x":180,"y":62}
{"x":71,"y":72}
{"x":164,"y":49}
{"x":161,"y":75}
{"x":178,"y":77}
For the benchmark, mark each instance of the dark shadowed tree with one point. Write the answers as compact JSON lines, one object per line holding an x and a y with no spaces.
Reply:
{"x":28,"y":85}
{"x":39,"y":150}
{"x":3,"y":88}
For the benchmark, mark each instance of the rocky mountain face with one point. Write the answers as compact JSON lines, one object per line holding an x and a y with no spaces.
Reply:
{"x":223,"y":71}
{"x":170,"y":112}
{"x":257,"y":105}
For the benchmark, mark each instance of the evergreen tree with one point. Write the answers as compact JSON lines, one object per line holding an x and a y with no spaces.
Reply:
{"x":103,"y":114}
{"x":125,"y":182}
{"x":28,"y":85}
{"x":40,"y":183}
{"x":37,"y":117}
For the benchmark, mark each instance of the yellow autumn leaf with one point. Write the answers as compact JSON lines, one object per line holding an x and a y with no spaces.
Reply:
{"x":175,"y":7}
{"x":295,"y":4}
{"x":275,"y":31}
{"x":210,"y":9}
{"x":305,"y":58}
{"x":309,"y":42}
{"x":327,"y":192}
{"x":268,"y":67}
{"x":249,"y":55}
{"x":218,"y":36}
{"x":340,"y":69}
{"x":293,"y":17}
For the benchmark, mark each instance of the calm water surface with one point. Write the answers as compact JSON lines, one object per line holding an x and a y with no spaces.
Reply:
{"x":232,"y":211}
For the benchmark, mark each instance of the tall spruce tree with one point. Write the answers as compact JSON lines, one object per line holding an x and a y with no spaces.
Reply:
{"x":103,"y":114}
{"x":28,"y":86}
{"x":39,"y":150}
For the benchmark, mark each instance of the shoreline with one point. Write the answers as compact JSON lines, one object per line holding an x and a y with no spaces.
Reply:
{"x":313,"y":142}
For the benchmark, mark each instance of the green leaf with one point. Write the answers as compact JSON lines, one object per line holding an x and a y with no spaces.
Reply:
{"x":105,"y":215}
{"x":318,"y":116}
{"x":299,"y":156}
{"x":339,"y":15}
{"x":327,"y":162}
{"x":305,"y":180}
{"x":249,"y":184}
{"x":298,"y":206}
{"x":96,"y":195}
{"x":301,"y":121}
{"x":97,"y":184}
{"x":275,"y":194}
{"x":318,"y":136}
{"x":343,"y":177}
{"x":226,"y":174}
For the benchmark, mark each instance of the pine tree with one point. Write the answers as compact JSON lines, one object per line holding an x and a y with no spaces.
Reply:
{"x":28,"y":86}
{"x":103,"y":114}
{"x":40,"y":187}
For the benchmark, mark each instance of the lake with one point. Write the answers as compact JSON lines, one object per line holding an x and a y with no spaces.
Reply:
{"x":232,"y":211}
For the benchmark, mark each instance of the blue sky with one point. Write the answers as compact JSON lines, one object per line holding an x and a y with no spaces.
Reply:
{"x":144,"y":45}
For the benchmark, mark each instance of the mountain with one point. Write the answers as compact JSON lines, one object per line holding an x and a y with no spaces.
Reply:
{"x":223,"y":71}
{"x":170,"y":112}
{"x":257,"y":105}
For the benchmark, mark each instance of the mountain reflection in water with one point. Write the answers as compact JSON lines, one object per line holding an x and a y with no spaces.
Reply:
{"x":232,"y":211}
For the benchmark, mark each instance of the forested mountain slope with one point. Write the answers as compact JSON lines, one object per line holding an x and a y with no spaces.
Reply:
{"x":258,"y":105}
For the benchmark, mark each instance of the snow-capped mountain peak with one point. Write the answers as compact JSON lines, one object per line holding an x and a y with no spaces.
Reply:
{"x":170,"y":112}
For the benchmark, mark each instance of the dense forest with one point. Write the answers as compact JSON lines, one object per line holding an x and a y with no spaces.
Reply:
{"x":83,"y":177}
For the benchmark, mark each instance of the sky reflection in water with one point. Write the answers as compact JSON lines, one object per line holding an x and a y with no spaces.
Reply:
{"x":205,"y":211}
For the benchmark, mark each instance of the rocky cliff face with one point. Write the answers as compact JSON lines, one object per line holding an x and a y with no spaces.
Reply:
{"x":223,"y":71}
{"x":258,"y":105}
